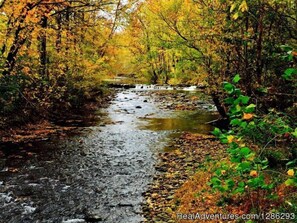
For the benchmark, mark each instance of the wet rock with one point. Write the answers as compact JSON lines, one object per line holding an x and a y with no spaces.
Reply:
{"x":74,"y":221}
{"x":125,"y":205}
{"x":7,"y":198}
{"x":25,"y":191}
{"x":94,"y":216}
{"x":28,"y":210}
{"x":161,"y":168}
{"x":83,"y":153}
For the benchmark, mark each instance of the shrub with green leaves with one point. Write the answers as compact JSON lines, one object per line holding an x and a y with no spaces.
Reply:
{"x":248,"y":170}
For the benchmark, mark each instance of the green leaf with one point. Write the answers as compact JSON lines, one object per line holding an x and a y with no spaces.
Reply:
{"x":217,"y":132}
{"x":228,"y":87}
{"x":229,"y":101}
{"x":239,"y":190}
{"x":289,"y":73}
{"x":243,"y":125}
{"x":270,"y":186}
{"x":286,"y":48}
{"x":230,"y":183}
{"x":218,"y":172}
{"x":235,"y":122}
{"x":234,"y":110}
{"x":241,"y":184}
{"x":237,"y":91}
{"x":291,"y":163}
{"x":265,"y":161}
{"x":245,"y":151}
{"x":236,"y":79}
{"x":238,"y":108}
{"x":263,"y":90}
{"x":250,"y":108}
{"x":244,"y":166}
{"x":224,"y":141}
{"x":256,"y":182}
{"x":215,"y":181}
{"x":290,"y":182}
{"x":244,"y":99}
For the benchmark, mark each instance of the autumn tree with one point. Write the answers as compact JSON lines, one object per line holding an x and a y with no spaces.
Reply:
{"x":218,"y":39}
{"x":53,"y":50}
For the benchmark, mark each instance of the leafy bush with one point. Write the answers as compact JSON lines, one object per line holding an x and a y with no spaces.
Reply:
{"x":248,"y":170}
{"x":24,"y":99}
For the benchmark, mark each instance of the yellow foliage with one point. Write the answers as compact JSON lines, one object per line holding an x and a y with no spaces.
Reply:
{"x":235,"y":16}
{"x":243,"y":7}
{"x":247,"y":116}
{"x":233,"y":6}
{"x":230,"y":138}
{"x":253,"y":173}
{"x":291,"y":172}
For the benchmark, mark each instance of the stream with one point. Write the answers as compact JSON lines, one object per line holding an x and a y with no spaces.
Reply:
{"x":98,"y":174}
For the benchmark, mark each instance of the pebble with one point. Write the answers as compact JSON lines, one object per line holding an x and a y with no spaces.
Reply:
{"x":74,"y":221}
{"x":176,"y":167}
{"x":28,"y":210}
{"x":93,"y":215}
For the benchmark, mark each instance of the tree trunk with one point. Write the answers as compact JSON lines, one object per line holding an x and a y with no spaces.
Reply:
{"x":13,"y":51}
{"x":42,"y":48}
{"x":259,"y":46}
{"x":219,"y":106}
{"x":59,"y":33}
{"x":68,"y":42}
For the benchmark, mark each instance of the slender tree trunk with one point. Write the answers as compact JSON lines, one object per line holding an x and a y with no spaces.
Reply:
{"x":42,"y":48}
{"x":59,"y":33}
{"x":259,"y":46}
{"x":247,"y":73}
{"x":219,"y":106}
{"x":18,"y":42}
{"x":13,"y":51}
{"x":67,"y":47}
{"x":19,"y":38}
{"x":154,"y":78}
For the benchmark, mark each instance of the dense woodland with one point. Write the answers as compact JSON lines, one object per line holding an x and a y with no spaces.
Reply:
{"x":56,"y":54}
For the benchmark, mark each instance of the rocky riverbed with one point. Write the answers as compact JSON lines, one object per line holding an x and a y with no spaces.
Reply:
{"x":187,"y":154}
{"x":101,"y":173}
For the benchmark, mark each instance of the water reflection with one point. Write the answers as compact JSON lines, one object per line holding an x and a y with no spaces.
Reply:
{"x":190,"y":121}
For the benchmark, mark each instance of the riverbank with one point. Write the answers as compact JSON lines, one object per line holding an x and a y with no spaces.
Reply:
{"x":171,"y":192}
{"x":61,"y":123}
{"x":176,"y":184}
{"x":181,"y":191}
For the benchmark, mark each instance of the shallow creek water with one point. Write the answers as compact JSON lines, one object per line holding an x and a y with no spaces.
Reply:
{"x":97,"y":175}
